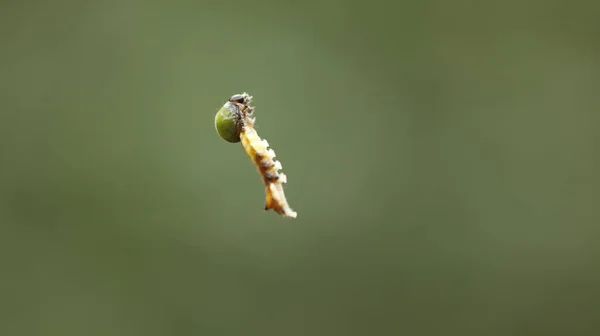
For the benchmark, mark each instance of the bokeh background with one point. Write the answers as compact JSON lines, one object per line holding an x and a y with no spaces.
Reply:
{"x":442,"y":156}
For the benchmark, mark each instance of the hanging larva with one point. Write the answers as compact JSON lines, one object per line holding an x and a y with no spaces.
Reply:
{"x":234,"y":122}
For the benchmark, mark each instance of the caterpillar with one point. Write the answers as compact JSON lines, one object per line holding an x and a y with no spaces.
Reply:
{"x":235,"y":123}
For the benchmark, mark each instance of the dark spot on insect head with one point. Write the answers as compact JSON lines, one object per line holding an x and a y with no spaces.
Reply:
{"x":237,"y":98}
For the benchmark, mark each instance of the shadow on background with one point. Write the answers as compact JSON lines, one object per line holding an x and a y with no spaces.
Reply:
{"x":442,"y":157}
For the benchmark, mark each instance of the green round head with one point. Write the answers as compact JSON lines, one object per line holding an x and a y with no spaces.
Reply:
{"x":228,"y":122}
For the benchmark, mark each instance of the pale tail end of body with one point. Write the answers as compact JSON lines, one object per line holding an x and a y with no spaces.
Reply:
{"x":280,"y":206}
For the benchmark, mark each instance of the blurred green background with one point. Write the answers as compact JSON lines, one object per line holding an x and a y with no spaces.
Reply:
{"x":442,"y":156}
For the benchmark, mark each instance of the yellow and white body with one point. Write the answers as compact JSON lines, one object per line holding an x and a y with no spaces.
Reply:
{"x":236,"y":120}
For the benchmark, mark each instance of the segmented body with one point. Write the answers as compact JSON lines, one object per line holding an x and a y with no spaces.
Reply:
{"x":262,"y":156}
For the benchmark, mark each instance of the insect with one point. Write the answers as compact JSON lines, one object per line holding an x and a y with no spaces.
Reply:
{"x":234,"y":123}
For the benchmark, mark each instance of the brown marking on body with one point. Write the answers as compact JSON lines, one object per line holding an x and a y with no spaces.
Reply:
{"x":266,"y":166}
